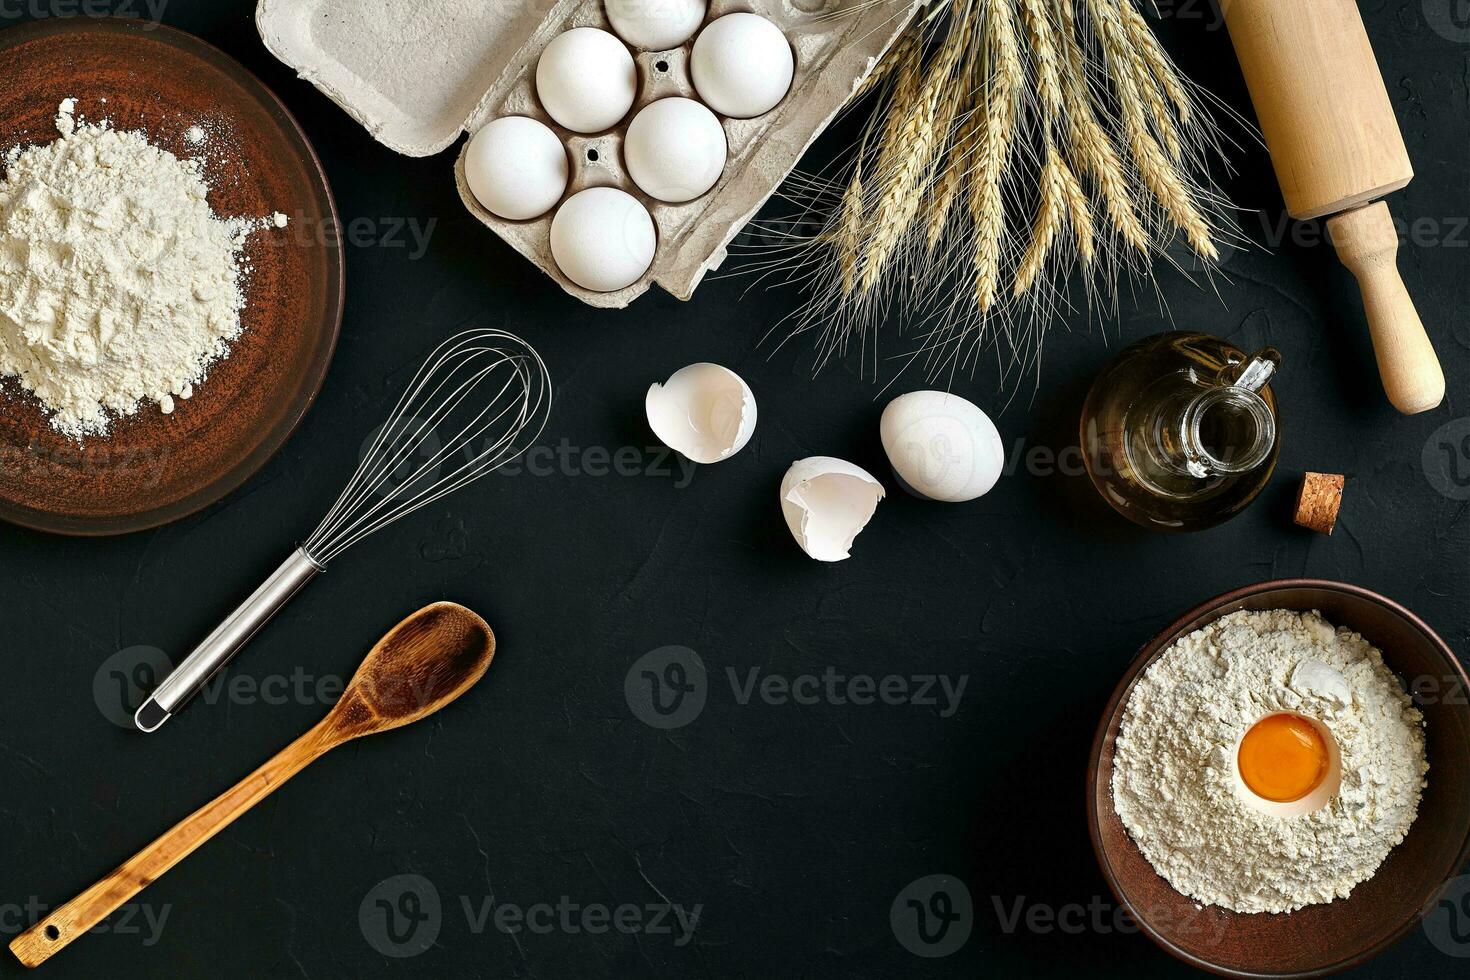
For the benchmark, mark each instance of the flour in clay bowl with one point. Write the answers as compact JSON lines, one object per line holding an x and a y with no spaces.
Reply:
{"x":119,"y":285}
{"x":1268,"y":761}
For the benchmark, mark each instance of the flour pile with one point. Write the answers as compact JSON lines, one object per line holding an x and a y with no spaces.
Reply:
{"x":117,"y":281}
{"x":1174,"y":781}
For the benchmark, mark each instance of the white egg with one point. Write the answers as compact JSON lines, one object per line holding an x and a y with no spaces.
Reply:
{"x":826,"y":502}
{"x":704,"y":411}
{"x":742,"y":65}
{"x":603,"y":239}
{"x":516,"y":167}
{"x":655,"y":25}
{"x":586,"y":80}
{"x":675,"y":150}
{"x":942,"y":446}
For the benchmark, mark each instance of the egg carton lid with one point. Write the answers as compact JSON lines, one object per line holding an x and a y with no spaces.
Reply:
{"x":411,"y":71}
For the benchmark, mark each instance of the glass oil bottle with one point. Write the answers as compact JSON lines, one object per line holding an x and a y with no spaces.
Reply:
{"x":1180,"y":430}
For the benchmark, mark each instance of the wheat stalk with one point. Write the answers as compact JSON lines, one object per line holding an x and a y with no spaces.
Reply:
{"x":850,"y":233}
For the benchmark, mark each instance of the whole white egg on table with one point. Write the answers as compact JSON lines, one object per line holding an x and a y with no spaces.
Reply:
{"x":942,"y":446}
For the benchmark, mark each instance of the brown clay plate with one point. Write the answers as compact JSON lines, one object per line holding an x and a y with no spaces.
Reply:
{"x":1318,"y":939}
{"x":155,"y":468}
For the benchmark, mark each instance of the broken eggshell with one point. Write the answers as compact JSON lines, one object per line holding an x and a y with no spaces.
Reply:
{"x":826,"y":502}
{"x":942,"y":446}
{"x":704,"y":411}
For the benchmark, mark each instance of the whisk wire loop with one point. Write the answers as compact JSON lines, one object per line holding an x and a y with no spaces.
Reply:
{"x":479,"y":400}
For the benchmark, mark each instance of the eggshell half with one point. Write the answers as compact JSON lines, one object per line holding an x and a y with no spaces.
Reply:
{"x":826,"y":502}
{"x":942,"y":446}
{"x":704,"y":411}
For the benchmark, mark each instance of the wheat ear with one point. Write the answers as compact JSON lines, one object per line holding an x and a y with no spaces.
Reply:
{"x":1002,"y":91}
{"x":912,"y":147}
{"x":1156,"y":169}
{"x":1159,"y":65}
{"x":1051,"y":214}
{"x":1090,"y":143}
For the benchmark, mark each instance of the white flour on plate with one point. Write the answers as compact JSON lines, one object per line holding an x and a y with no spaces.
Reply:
{"x":117,"y":281}
{"x":1174,"y":783}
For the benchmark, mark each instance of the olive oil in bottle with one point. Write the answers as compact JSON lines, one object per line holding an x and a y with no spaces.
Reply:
{"x":1180,"y":430}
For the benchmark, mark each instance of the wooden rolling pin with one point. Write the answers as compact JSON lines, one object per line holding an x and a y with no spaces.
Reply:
{"x":1337,"y":149}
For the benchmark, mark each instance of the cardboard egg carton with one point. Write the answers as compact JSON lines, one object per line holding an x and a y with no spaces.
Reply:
{"x":419,"y":74}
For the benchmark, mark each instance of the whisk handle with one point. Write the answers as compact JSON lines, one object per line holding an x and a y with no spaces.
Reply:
{"x":228,"y":638}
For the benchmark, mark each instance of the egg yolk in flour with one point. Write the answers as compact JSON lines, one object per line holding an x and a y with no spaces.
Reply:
{"x":1283,"y":758}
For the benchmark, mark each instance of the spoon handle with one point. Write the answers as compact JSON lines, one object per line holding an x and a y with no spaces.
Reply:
{"x":52,"y":934}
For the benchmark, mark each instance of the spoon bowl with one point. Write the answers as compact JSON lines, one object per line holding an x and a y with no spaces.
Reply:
{"x":422,"y":664}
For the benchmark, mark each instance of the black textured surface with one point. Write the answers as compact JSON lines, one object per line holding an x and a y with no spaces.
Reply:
{"x":793,"y":826}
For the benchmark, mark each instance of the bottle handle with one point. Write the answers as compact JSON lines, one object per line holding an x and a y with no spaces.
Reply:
{"x":1254,"y":373}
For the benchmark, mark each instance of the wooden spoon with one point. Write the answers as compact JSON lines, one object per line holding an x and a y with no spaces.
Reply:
{"x":422,"y":664}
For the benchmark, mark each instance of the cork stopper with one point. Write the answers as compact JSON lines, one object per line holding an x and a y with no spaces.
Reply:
{"x":1318,"y":500}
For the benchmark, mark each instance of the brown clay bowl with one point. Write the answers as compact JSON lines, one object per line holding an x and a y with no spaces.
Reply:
{"x":1318,"y":939}
{"x":156,"y":468}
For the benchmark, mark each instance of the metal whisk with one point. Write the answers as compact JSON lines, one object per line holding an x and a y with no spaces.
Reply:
{"x":479,"y":400}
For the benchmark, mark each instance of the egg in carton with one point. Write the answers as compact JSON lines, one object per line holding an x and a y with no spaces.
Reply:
{"x":419,"y":74}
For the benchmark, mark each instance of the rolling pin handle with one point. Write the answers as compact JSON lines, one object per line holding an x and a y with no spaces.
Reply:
{"x":1367,"y":243}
